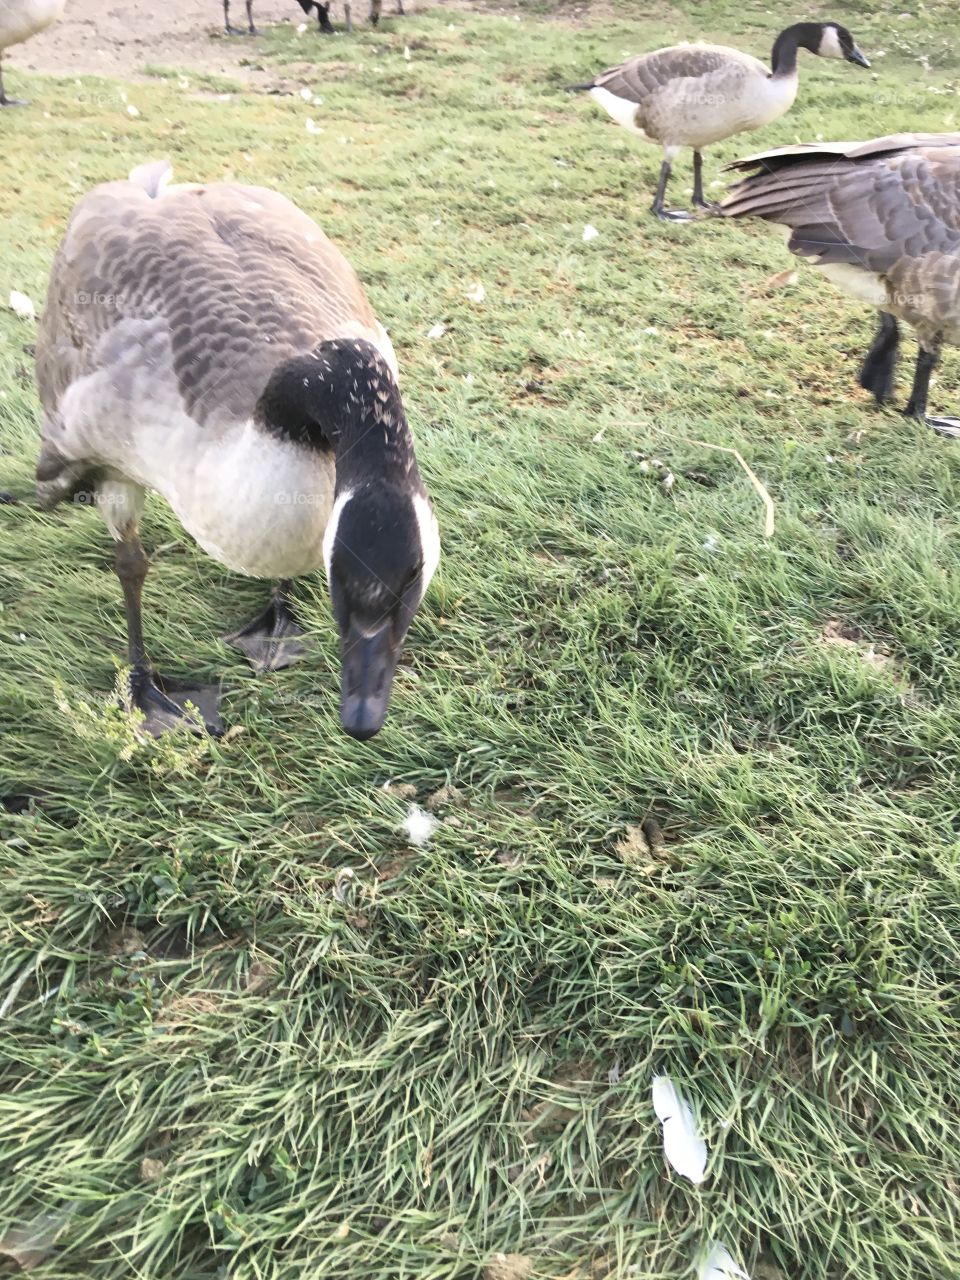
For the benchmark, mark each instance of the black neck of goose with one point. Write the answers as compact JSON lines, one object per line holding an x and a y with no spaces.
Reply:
{"x":342,"y":399}
{"x":802,"y":35}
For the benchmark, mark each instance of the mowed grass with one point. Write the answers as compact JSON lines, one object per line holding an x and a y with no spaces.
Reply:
{"x":222,"y":1056}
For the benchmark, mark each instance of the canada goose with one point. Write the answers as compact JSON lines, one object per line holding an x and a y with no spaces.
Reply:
{"x":690,"y":95}
{"x":211,"y":343}
{"x":19,"y":20}
{"x":881,"y":219}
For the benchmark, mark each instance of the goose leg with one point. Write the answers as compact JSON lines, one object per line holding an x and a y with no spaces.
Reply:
{"x":927,"y":361}
{"x":657,"y":209}
{"x":348,"y":16}
{"x":271,"y":641}
{"x":228,"y":28}
{"x":400,"y":9}
{"x":323,"y":19}
{"x":164,"y":703}
{"x":4,"y":100}
{"x":880,"y":364}
{"x":375,"y":8}
{"x":250,"y":22}
{"x":698,"y":198}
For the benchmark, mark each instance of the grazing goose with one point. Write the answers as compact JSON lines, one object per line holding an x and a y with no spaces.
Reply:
{"x":19,"y":20}
{"x":690,"y":95}
{"x":881,"y":219}
{"x":209,"y":342}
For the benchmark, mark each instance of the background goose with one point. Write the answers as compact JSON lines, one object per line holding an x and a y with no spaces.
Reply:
{"x":881,"y":219}
{"x":211,"y":343}
{"x":19,"y":20}
{"x":690,"y":95}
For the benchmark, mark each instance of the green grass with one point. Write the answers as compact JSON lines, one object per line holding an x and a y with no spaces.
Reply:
{"x":455,"y":1060}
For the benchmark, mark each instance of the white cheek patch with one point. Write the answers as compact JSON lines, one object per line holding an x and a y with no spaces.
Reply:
{"x":429,"y":539}
{"x":830,"y":44}
{"x":330,"y":533}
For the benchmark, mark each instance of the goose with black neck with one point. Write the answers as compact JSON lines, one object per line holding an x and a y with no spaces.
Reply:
{"x":692,"y":95}
{"x":210,"y":343}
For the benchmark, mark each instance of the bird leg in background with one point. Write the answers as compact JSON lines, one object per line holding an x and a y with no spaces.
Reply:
{"x":879,"y":368}
{"x":698,"y":197}
{"x":271,"y":641}
{"x":253,"y":29}
{"x":927,"y":361}
{"x":376,"y":7}
{"x":4,"y":100}
{"x":165,"y":703}
{"x":348,"y":15}
{"x":323,"y":17}
{"x":657,"y":209}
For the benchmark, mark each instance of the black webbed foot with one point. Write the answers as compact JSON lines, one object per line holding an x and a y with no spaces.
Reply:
{"x":173,"y":704}
{"x":272,"y":640}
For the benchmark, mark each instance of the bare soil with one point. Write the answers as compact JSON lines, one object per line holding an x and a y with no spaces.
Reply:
{"x":121,"y":37}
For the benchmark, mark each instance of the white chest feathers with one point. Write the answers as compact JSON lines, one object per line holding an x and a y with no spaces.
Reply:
{"x":21,"y":19}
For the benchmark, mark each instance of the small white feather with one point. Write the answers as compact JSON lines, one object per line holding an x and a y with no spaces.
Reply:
{"x":718,"y":1264}
{"x":21,"y":304}
{"x":418,"y":826}
{"x":683,"y":1146}
{"x":437,"y":331}
{"x":476,"y":292}
{"x":590,"y":232}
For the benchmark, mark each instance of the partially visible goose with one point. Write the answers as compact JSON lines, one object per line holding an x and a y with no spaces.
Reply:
{"x":211,"y":343}
{"x":691,"y":95}
{"x":323,"y":12}
{"x":881,"y":219}
{"x":19,"y":20}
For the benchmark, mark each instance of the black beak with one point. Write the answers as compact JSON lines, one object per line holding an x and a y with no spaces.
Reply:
{"x":856,"y":56}
{"x":369,"y":660}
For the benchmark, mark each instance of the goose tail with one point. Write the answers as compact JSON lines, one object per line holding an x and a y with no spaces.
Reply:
{"x":579,"y":88}
{"x":153,"y":176}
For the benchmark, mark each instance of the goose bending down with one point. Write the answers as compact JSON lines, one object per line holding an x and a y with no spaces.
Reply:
{"x":19,"y":20}
{"x":881,"y":219}
{"x":210,"y":342}
{"x":691,"y":95}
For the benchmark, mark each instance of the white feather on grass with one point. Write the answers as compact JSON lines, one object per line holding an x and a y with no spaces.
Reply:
{"x":418,"y":826}
{"x":21,"y":304}
{"x":683,"y":1146}
{"x":718,"y":1264}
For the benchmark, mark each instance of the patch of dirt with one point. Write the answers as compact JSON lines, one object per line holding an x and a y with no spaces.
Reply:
{"x":508,"y":1266}
{"x":118,"y":38}
{"x":846,"y":636}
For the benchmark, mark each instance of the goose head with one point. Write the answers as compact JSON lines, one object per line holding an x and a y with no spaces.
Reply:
{"x":381,"y":546}
{"x":831,"y":40}
{"x":381,"y":549}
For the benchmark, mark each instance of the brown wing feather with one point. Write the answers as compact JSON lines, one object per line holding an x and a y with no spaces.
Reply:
{"x":237,"y":277}
{"x":872,"y":205}
{"x":638,"y":78}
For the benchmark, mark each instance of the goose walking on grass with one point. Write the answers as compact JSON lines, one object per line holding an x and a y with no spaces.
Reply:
{"x":210,"y":342}
{"x":691,"y":95}
{"x":881,"y":219}
{"x":19,"y":20}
